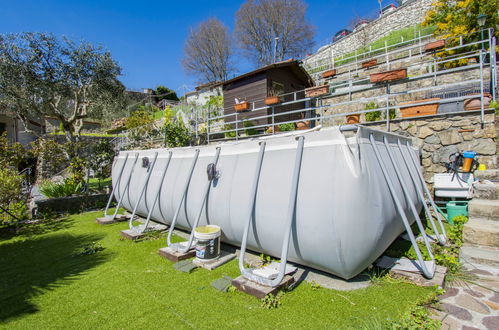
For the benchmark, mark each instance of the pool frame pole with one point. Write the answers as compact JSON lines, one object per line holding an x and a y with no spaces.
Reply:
{"x":126,"y":186}
{"x":115,"y":187}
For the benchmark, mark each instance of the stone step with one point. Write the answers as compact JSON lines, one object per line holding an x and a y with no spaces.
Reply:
{"x":481,"y":232}
{"x":484,"y":208}
{"x":491,"y":174}
{"x":479,"y":255}
{"x":488,"y":190}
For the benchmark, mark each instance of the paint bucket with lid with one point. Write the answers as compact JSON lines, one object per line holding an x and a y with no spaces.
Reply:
{"x":208,"y":242}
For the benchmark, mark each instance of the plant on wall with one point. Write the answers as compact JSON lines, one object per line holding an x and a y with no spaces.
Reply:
{"x":249,"y":128}
{"x":373,"y":115}
{"x":287,"y":127}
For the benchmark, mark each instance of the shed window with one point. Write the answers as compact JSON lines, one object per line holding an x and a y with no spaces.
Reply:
{"x":277,"y":88}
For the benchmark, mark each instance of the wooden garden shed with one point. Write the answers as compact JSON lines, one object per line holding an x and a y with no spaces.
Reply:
{"x":279,"y":79}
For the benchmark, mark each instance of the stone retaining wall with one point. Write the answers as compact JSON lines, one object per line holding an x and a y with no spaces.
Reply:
{"x":407,"y":15}
{"x":71,"y":204}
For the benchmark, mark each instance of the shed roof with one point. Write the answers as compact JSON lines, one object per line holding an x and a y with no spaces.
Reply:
{"x":291,"y":63}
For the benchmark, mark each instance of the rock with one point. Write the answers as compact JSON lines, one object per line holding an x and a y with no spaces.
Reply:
{"x":480,"y":146}
{"x":449,"y":137}
{"x":467,"y":136}
{"x":474,"y":293}
{"x":442,"y":155}
{"x":432,"y":139}
{"x":404,"y":125}
{"x":412,"y":129}
{"x":426,"y":162}
{"x":491,"y":322}
{"x":451,"y":323}
{"x":451,"y":292}
{"x":462,"y":123}
{"x":456,"y":311}
{"x":439,"y":125}
{"x":424,"y":132}
{"x":492,"y":305}
{"x":421,"y":122}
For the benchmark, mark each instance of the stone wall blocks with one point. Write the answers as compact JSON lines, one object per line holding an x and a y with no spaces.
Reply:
{"x":439,"y":125}
{"x":449,"y":137}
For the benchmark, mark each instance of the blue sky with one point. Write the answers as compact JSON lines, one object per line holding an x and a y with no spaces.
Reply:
{"x":147,"y":37}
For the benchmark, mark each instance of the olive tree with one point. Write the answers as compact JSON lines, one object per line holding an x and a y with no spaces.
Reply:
{"x":260,"y":22}
{"x":42,"y":75}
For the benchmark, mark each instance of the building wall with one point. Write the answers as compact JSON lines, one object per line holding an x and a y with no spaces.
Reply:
{"x":409,"y":14}
{"x":10,"y":127}
{"x":201,"y":98}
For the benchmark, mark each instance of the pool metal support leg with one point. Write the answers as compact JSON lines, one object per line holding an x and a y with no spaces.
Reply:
{"x":425,"y":187}
{"x":184,"y":193}
{"x":186,"y":248}
{"x":400,"y":209}
{"x":115,"y":187}
{"x":127,"y":184}
{"x":289,"y":222}
{"x":150,"y":168}
{"x":404,"y":186}
{"x":441,"y":237}
{"x":156,"y":196}
{"x":254,"y":188}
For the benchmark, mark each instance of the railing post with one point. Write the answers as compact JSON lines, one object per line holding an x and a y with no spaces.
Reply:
{"x":387,"y":107}
{"x":273,"y":119}
{"x":237,"y":128}
{"x":482,"y":112}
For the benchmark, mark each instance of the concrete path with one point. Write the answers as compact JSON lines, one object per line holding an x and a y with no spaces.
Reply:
{"x":472,"y":304}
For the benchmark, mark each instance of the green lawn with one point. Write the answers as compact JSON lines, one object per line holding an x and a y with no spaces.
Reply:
{"x":46,"y":283}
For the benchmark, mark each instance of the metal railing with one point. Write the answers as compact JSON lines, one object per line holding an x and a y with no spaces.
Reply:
{"x":312,"y":111}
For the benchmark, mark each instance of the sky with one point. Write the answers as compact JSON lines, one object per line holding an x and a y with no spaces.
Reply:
{"x":147,"y":38}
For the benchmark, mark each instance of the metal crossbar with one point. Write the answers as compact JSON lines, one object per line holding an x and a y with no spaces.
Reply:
{"x":127,"y":184}
{"x":186,"y":248}
{"x":150,"y":168}
{"x":184,"y":193}
{"x":427,"y":273}
{"x":287,"y":227}
{"x":412,"y":156}
{"x":156,"y":196}
{"x":118,"y":181}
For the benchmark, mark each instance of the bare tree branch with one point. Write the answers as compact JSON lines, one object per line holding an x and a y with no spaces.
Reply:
{"x":207,"y":52}
{"x":259,"y":22}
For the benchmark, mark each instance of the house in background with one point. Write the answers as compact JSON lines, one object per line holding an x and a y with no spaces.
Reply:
{"x":15,"y":130}
{"x":203,"y":93}
{"x":250,"y":90}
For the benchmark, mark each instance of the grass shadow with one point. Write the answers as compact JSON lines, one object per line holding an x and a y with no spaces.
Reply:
{"x":36,"y":228}
{"x":30,"y":267}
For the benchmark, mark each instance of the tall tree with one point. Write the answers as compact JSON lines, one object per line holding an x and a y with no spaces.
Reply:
{"x":259,"y":22}
{"x":41,"y":75}
{"x":207,"y":52}
{"x":164,"y":93}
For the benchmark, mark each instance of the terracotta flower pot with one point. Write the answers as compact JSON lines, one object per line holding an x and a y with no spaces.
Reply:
{"x":388,"y":75}
{"x":353,"y":119}
{"x":370,"y":63}
{"x":431,"y":46}
{"x":271,"y":100}
{"x":475,"y":103}
{"x":317,"y":91}
{"x":303,"y":125}
{"x":271,"y":129}
{"x":329,"y":73}
{"x":243,"y":106}
{"x":412,"y":109}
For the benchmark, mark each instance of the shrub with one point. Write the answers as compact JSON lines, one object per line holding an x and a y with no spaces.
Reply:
{"x":231,"y":134}
{"x":54,"y":190}
{"x":52,"y":157}
{"x":101,"y":159}
{"x":373,"y":115}
{"x":287,"y":127}
{"x":176,"y":134}
{"x":12,"y":199}
{"x":12,"y":154}
{"x":249,"y":130}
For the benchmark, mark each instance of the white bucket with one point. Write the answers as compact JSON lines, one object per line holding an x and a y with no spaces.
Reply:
{"x":208,"y":242}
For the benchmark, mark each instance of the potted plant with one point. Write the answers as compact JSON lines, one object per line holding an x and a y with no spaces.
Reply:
{"x":317,"y":91}
{"x":414,"y":108}
{"x":431,"y":46}
{"x":329,"y":73}
{"x":370,"y":63}
{"x":353,"y":118}
{"x":304,"y":124}
{"x":388,"y":75}
{"x":476,"y":102}
{"x":273,"y":97}
{"x":241,"y":106}
{"x":272,"y":129}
